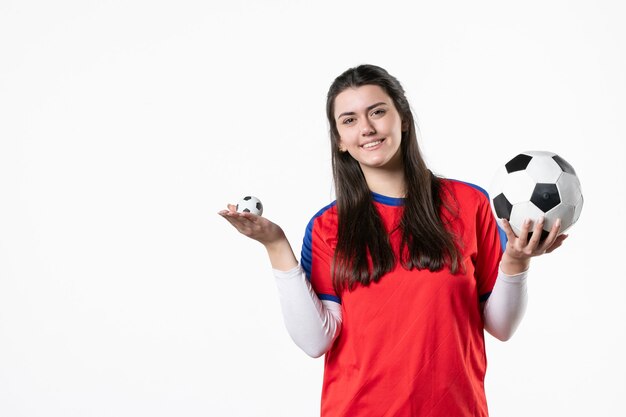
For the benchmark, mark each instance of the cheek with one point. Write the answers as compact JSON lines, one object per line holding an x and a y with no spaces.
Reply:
{"x":345,"y":137}
{"x":400,"y":134}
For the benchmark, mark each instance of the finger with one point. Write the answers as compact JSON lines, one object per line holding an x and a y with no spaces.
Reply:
{"x":236,"y":219}
{"x":233,"y":217}
{"x":523,"y":234}
{"x":228,"y":213}
{"x":536,"y":237}
{"x":250,"y":216}
{"x":551,"y":238}
{"x":231,"y":213}
{"x":243,"y":219}
{"x":231,"y":209}
{"x":506,"y":226}
{"x":557,"y":243}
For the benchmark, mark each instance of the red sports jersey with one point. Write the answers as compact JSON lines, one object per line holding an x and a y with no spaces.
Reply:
{"x":412,"y":344}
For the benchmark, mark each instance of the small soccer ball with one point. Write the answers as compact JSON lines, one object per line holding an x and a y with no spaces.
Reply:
{"x":250,"y":204}
{"x":535,"y":184}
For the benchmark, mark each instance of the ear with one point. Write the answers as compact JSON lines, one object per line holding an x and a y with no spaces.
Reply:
{"x":340,"y":146}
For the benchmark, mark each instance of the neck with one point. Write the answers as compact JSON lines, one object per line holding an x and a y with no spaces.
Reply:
{"x":389,"y":181}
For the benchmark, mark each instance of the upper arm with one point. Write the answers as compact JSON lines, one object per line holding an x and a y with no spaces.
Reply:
{"x":490,"y":244}
{"x":317,"y":258}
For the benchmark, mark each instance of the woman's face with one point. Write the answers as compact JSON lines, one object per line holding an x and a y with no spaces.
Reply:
{"x":369,"y":126}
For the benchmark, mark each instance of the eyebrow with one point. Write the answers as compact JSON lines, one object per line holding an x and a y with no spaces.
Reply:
{"x":351,"y":113}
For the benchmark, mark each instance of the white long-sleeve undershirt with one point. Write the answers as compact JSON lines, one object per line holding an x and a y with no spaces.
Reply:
{"x":504,"y":309}
{"x":314,"y":324}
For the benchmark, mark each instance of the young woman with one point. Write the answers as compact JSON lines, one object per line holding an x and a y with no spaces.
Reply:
{"x":400,"y":275}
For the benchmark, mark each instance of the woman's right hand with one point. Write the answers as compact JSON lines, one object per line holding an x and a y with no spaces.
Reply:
{"x":268,"y":233}
{"x":253,"y":226}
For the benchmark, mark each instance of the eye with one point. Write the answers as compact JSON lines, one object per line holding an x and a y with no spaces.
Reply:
{"x":379,"y":112}
{"x":347,"y":120}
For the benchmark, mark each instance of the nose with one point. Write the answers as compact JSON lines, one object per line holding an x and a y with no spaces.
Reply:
{"x":367,"y":128}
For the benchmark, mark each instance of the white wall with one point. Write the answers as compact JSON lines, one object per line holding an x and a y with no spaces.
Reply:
{"x":126,"y":125}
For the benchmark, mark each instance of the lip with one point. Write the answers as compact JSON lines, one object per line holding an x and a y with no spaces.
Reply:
{"x":382,"y":140}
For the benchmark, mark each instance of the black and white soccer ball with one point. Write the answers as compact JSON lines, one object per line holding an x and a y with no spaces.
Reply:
{"x":250,"y":204}
{"x":535,"y":184}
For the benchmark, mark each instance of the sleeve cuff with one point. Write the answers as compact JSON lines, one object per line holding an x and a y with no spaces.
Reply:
{"x":512,"y":278}
{"x":289,"y":274}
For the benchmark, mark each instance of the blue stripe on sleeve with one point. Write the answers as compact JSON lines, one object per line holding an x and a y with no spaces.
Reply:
{"x":307,"y":248}
{"x":306,"y":255}
{"x":503,"y":238}
{"x":329,"y":297}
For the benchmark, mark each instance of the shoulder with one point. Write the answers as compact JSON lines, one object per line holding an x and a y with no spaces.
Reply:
{"x":474,"y":204}
{"x":328,"y":210}
{"x":324,"y":218}
{"x":465,"y":192}
{"x":325,"y":213}
{"x":320,"y":233}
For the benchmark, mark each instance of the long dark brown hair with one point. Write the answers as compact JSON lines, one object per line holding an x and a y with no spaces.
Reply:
{"x":363,"y":254}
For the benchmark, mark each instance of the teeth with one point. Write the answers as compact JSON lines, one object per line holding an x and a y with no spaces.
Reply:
{"x":372,"y":144}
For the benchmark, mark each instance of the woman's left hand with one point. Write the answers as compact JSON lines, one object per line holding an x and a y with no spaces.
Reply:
{"x":519,"y":249}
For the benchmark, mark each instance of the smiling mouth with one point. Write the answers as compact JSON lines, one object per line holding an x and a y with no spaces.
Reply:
{"x":372,"y":144}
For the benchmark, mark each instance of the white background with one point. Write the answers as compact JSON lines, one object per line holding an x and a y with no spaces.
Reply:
{"x":126,"y":125}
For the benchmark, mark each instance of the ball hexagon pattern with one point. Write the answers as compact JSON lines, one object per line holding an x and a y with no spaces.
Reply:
{"x":250,"y":204}
{"x":534,"y":184}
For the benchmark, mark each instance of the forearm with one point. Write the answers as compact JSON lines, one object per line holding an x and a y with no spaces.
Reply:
{"x":513,"y":266}
{"x":281,"y":255}
{"x":504,"y":309}
{"x":312,"y":324}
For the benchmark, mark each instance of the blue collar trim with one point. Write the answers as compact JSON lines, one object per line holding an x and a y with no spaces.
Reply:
{"x":389,"y":201}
